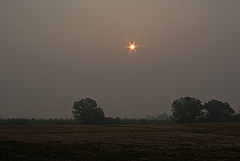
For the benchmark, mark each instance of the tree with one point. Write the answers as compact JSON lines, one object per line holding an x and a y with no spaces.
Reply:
{"x":186,"y":109}
{"x":218,"y":111}
{"x":88,"y":112}
{"x":163,"y":116}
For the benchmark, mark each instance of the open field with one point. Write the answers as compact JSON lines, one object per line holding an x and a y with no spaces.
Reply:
{"x":218,"y":141}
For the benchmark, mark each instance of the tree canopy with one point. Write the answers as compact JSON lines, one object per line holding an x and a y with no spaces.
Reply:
{"x":186,"y":109}
{"x":218,"y":111}
{"x":87,"y":111}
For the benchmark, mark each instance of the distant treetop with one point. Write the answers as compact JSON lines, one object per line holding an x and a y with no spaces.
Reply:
{"x":87,"y":111}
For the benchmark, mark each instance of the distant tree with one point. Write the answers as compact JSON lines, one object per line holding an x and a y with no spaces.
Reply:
{"x":163,"y":116}
{"x":186,"y":109}
{"x":218,"y":111}
{"x":88,"y":112}
{"x":150,"y":117}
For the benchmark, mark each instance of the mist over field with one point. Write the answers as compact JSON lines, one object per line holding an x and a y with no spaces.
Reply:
{"x":126,"y":80}
{"x":54,"y":52}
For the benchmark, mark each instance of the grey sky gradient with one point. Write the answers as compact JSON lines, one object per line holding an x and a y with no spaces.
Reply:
{"x":53,"y":52}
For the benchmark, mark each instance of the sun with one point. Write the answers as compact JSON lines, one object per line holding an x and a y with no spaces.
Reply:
{"x":132,"y":46}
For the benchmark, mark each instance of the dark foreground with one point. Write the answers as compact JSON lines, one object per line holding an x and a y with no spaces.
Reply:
{"x":121,"y":143}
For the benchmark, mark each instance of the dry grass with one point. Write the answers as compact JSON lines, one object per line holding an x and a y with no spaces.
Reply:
{"x":207,"y":141}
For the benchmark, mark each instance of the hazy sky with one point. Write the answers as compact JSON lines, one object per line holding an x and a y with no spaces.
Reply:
{"x":53,"y":52}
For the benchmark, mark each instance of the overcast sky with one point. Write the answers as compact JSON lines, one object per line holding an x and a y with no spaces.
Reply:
{"x":54,"y":52}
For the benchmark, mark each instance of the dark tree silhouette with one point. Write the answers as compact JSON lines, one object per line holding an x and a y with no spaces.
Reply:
{"x":186,"y":109}
{"x":163,"y":116}
{"x":87,"y":112}
{"x":218,"y":111}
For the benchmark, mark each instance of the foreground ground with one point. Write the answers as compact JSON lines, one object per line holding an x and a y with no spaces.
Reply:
{"x":121,"y":143}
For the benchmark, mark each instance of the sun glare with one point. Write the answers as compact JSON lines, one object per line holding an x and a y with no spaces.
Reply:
{"x":132,"y":46}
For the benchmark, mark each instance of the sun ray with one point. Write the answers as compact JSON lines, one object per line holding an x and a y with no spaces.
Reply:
{"x":132,"y":46}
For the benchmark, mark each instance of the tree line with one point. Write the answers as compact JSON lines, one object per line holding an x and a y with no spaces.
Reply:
{"x":188,"y":109}
{"x":184,"y":109}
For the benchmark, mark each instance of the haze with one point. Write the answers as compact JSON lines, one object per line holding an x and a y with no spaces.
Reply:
{"x":55,"y":52}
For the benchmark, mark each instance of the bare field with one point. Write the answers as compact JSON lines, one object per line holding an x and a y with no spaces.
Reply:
{"x":205,"y":141}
